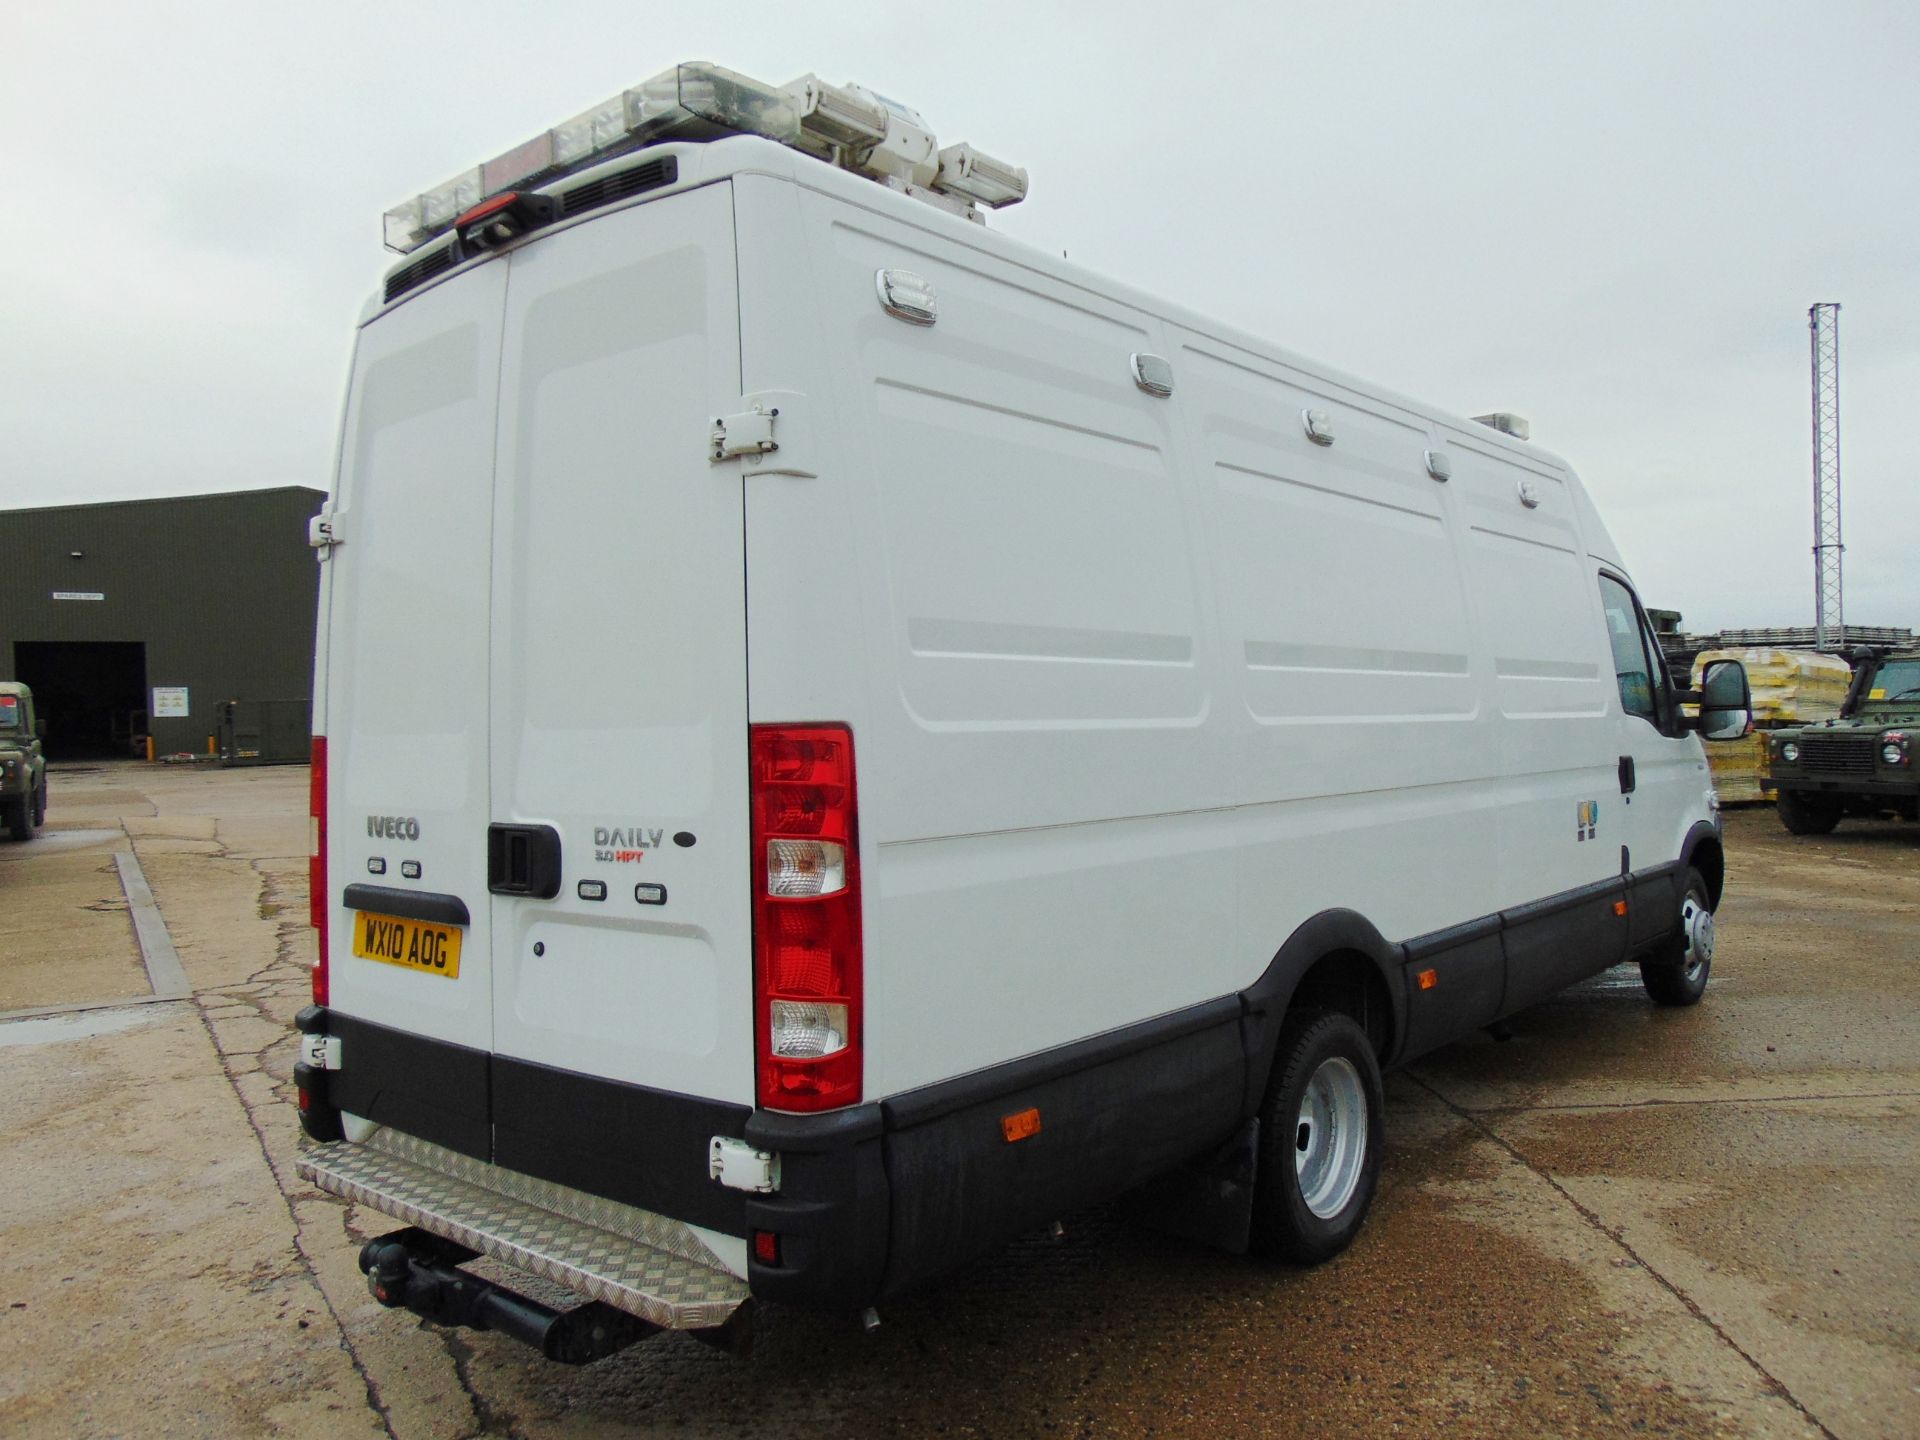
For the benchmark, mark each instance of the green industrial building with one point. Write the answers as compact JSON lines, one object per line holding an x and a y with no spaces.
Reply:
{"x":186,"y":620}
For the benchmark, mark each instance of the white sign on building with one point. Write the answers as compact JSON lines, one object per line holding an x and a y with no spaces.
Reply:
{"x":169,"y":702}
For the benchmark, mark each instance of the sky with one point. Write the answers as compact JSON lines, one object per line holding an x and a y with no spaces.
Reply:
{"x":1610,"y":219}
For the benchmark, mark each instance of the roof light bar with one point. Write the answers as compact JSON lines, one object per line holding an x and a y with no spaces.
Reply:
{"x":845,"y":125}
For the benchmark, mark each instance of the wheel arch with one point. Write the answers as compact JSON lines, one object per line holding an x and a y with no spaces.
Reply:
{"x":1705,"y":853}
{"x":1337,"y":960}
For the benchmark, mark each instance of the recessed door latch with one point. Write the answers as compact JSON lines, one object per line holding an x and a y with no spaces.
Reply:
{"x":748,"y":433}
{"x":738,"y":1166}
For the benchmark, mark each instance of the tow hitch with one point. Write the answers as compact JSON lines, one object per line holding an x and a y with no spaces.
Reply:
{"x":413,"y":1270}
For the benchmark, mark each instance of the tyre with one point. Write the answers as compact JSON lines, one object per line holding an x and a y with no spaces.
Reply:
{"x":1679,"y":976}
{"x":40,"y":804}
{"x":1321,"y":1134}
{"x":1803,"y":815}
{"x":20,"y":818}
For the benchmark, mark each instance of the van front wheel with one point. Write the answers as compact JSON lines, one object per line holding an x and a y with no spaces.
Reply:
{"x":1679,"y":977}
{"x":1320,"y":1140}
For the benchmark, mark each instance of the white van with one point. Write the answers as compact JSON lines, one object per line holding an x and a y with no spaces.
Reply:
{"x":841,"y":738}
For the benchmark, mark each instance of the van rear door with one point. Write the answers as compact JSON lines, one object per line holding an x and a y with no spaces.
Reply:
{"x":618,"y":665}
{"x":407,"y":696}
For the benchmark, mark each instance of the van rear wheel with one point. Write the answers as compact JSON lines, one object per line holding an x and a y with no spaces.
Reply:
{"x":1321,"y":1133}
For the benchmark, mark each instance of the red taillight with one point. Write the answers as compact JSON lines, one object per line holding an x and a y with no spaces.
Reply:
{"x":317,"y":868}
{"x":766,"y":1247}
{"x":806,"y":917}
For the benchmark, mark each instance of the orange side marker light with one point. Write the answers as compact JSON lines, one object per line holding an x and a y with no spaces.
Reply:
{"x":1427,"y":979}
{"x":1020,"y":1125}
{"x":1619,"y":907}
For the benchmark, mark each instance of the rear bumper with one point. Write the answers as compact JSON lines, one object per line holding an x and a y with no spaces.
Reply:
{"x":872,"y":1200}
{"x":644,"y":1264}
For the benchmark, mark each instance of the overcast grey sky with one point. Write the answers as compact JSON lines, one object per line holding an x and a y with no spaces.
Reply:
{"x":1610,"y":218}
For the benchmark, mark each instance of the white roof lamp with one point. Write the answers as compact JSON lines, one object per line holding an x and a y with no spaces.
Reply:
{"x":863,"y":131}
{"x":845,"y":125}
{"x":981,"y":178}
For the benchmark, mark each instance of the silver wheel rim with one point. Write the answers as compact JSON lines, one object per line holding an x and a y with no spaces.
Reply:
{"x":1330,"y":1137}
{"x":1697,"y":923}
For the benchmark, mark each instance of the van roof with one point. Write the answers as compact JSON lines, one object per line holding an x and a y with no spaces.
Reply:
{"x":701,"y":163}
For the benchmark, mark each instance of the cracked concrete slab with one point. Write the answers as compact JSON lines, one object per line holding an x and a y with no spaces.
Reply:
{"x":69,"y":937}
{"x":146,"y":1259}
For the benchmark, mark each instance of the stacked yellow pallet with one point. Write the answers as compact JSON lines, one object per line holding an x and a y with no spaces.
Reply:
{"x":1739,"y":768}
{"x":1790,"y":687}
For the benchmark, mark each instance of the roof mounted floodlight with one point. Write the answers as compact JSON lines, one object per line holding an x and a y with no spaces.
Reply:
{"x":843,"y":118}
{"x":844,"y":125}
{"x":965,"y":171}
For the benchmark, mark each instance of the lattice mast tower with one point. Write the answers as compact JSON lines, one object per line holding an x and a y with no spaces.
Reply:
{"x":1829,"y":619}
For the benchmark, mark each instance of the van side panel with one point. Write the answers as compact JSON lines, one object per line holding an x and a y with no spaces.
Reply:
{"x":1135,"y":716}
{"x":1556,"y":701}
{"x":1042,"y":730}
{"x":1362,"y":739}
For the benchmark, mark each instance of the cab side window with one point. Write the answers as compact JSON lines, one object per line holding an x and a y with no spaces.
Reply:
{"x":1632,"y":666}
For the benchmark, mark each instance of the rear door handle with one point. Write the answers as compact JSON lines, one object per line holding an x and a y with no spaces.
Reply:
{"x":523,"y":860}
{"x":1626,"y":774}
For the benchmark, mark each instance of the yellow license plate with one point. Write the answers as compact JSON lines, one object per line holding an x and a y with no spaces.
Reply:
{"x":410,"y":944}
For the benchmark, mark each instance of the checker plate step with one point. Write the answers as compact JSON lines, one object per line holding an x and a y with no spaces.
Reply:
{"x":636,"y":1261}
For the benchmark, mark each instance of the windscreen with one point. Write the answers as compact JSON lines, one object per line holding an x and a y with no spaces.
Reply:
{"x":10,"y":712}
{"x":1897,"y":680}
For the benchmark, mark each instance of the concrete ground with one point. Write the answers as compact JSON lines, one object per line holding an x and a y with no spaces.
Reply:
{"x":1620,"y":1221}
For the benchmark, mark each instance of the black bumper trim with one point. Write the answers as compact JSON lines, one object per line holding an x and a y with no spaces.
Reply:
{"x":931,"y":1102}
{"x":630,"y":1143}
{"x":425,"y":905}
{"x":430,"y":1088}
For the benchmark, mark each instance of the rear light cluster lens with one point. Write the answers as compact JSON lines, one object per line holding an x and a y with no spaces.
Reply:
{"x":317,"y":868}
{"x":806,"y":926}
{"x":805,"y":867}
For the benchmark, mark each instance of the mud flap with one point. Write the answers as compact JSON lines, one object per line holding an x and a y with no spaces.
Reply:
{"x":1209,"y":1200}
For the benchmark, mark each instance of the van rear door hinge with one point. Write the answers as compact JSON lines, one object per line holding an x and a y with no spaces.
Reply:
{"x":323,"y":532}
{"x":750,"y":432}
{"x":769,"y":434}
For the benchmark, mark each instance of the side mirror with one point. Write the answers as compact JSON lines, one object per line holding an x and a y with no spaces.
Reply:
{"x":39,"y":729}
{"x":1726,"y":701}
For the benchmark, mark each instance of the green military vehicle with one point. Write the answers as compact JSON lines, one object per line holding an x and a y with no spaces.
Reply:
{"x":23,"y":767}
{"x":1861,"y":764}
